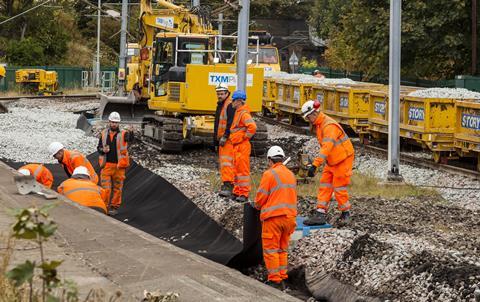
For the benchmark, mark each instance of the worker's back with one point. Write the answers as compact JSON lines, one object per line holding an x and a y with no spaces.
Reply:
{"x":84,"y":192}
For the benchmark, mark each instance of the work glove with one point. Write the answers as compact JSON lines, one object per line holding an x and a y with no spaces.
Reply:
{"x":222,"y":141}
{"x":312,"y":171}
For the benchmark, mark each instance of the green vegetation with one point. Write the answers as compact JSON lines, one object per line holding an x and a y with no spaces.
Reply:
{"x":436,"y":36}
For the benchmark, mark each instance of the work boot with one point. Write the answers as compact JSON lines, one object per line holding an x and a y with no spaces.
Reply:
{"x":113,"y":211}
{"x":319,"y":219}
{"x":241,"y":199}
{"x":226,"y":189}
{"x":278,"y":285}
{"x":344,"y":217}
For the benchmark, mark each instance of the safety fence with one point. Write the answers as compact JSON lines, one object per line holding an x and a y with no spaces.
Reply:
{"x":68,"y":77}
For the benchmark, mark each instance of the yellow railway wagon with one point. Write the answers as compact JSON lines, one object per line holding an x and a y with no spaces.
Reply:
{"x":269,"y":95}
{"x":295,"y":95}
{"x":467,"y":129}
{"x":430,"y":122}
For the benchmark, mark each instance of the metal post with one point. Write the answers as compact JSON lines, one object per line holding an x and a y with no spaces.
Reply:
{"x":195,"y":3}
{"x":242,"y":44}
{"x":97,"y":72}
{"x":474,"y":37}
{"x":394,"y":92}
{"x":220,"y":30}
{"x":123,"y":43}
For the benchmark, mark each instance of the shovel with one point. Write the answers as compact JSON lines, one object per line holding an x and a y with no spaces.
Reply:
{"x":27,"y":184}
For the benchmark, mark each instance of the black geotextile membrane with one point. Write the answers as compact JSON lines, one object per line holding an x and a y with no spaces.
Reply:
{"x":155,"y":206}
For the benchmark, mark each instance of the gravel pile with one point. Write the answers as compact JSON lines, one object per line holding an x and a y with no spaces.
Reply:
{"x":25,"y":134}
{"x":446,"y":93}
{"x":67,"y":105}
{"x":443,"y":182}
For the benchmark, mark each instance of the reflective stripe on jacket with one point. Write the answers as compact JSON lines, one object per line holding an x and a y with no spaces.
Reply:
{"x":277,"y":193}
{"x":123,"y":160}
{"x":73,"y":159}
{"x":243,"y":126}
{"x":84,"y":192}
{"x":42,"y":175}
{"x":334,"y":142}
{"x":223,"y":118}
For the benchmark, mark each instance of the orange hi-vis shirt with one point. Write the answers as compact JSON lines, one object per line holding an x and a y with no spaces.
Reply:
{"x":277,"y":193}
{"x":334,"y":142}
{"x":42,"y":175}
{"x":243,"y":126}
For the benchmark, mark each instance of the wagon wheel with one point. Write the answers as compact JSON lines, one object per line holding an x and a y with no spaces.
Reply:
{"x":291,"y":119}
{"x":440,"y":157}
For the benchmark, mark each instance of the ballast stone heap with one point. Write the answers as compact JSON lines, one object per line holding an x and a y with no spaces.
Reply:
{"x":447,"y":93}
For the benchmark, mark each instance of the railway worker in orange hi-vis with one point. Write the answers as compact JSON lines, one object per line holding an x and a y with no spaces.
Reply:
{"x":41,"y":174}
{"x":223,"y":121}
{"x":114,"y":160}
{"x":81,"y":190}
{"x":336,"y":152}
{"x":277,"y":201}
{"x":242,"y":130}
{"x":71,"y":159}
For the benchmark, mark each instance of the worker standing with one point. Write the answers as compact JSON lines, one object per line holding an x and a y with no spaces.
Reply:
{"x":114,"y":160}
{"x":223,"y":121}
{"x":242,"y":130}
{"x":81,"y":190}
{"x":318,"y":74}
{"x":277,"y":201}
{"x":41,"y":174}
{"x":337,"y":153}
{"x":71,"y":159}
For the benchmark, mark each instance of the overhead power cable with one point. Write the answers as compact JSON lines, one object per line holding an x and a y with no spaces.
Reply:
{"x":23,"y":13}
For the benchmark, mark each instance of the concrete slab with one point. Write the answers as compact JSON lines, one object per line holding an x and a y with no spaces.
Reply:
{"x":101,"y":252}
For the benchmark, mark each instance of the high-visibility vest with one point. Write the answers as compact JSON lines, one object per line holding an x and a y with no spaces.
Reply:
{"x":342,"y":146}
{"x":277,"y":193}
{"x":123,"y":160}
{"x":73,"y":159}
{"x":84,"y":192}
{"x":222,"y":121}
{"x":42,"y":175}
{"x":243,"y":126}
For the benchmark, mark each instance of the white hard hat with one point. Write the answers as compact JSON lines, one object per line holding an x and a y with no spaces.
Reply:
{"x":54,"y":148}
{"x":80,"y":170}
{"x":275,"y":151}
{"x":24,"y":172}
{"x":308,"y":108}
{"x":114,"y":117}
{"x":221,"y":87}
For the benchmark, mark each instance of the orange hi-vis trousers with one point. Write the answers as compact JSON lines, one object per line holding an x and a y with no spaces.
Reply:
{"x":241,"y":162}
{"x":335,"y":180}
{"x":112,"y":178}
{"x":225,"y":156}
{"x":276,"y":232}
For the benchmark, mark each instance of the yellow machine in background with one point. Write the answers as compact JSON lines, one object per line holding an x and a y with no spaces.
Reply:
{"x":3,"y":72}
{"x":37,"y":81}
{"x":133,"y":65}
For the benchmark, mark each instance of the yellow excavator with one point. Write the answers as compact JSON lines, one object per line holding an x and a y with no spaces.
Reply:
{"x":262,"y":52}
{"x":179,"y":68}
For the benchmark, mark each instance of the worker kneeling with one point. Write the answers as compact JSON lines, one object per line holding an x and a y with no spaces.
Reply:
{"x":336,"y":151}
{"x":242,"y":130}
{"x":81,"y":190}
{"x":41,"y":174}
{"x":277,"y":201}
{"x":71,"y":159}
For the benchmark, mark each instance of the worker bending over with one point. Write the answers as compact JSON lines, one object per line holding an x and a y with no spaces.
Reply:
{"x":41,"y":174}
{"x":277,"y":201}
{"x":113,"y":160}
{"x":71,"y":159}
{"x":81,"y":190}
{"x":242,"y":130}
{"x":223,"y":121}
{"x":336,"y":151}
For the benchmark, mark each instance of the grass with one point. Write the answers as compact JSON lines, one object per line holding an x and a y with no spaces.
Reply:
{"x":362,"y":185}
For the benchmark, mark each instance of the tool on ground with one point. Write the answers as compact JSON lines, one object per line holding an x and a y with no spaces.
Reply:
{"x":27,"y":184}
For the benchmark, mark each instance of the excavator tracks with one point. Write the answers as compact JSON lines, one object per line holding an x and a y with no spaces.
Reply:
{"x":166,"y":132}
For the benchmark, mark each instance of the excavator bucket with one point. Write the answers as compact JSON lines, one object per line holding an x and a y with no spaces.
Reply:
{"x":129,"y":108}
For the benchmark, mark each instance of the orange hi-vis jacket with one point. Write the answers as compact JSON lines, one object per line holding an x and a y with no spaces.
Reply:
{"x":84,"y":192}
{"x":277,"y":193}
{"x":222,"y":121}
{"x":123,"y":160}
{"x":243,"y":126}
{"x":334,"y":142}
{"x":42,"y":175}
{"x":73,"y":159}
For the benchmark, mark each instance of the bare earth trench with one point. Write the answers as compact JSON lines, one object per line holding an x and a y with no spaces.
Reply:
{"x":413,"y":249}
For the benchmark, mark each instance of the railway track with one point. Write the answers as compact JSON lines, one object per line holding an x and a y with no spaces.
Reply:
{"x":404,"y":158}
{"x":60,"y":96}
